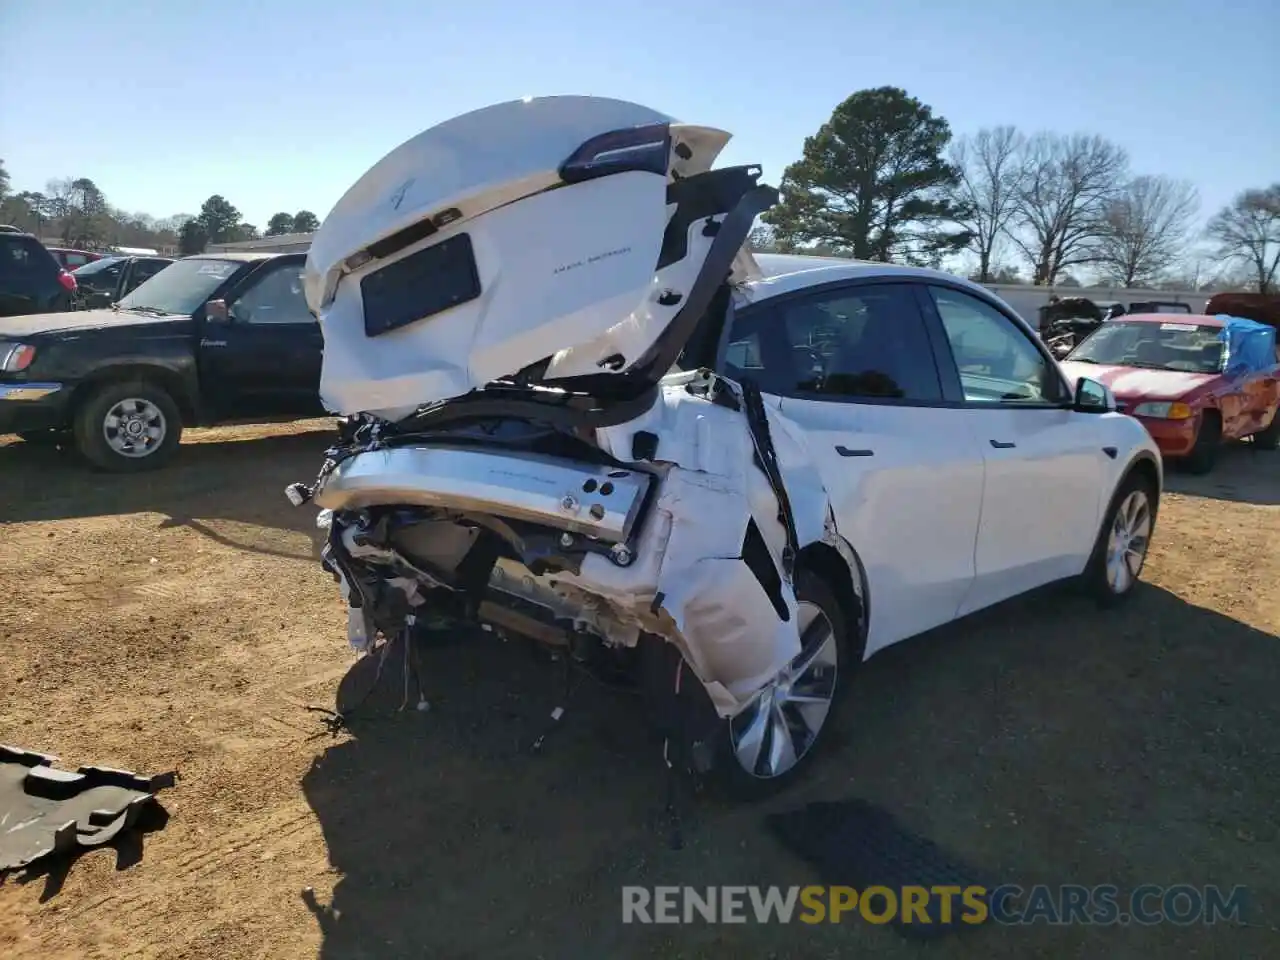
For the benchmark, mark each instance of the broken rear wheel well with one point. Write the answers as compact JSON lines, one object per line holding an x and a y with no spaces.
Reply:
{"x":826,"y":562}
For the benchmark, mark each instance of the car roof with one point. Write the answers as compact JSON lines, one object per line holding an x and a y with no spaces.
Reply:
{"x":246,"y":256}
{"x":785,"y":273}
{"x":1200,"y":319}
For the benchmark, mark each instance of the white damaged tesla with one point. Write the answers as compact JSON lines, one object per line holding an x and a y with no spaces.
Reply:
{"x":578,"y":410}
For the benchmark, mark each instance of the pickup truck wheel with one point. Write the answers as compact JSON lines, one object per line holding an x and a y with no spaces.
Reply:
{"x":1204,"y":454}
{"x":127,"y":427}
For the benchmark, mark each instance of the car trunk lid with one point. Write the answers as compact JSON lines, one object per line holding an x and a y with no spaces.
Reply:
{"x":564,"y":236}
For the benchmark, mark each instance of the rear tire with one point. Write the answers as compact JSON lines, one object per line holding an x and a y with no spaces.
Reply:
{"x":1204,"y":455}
{"x":755,"y":730}
{"x":1120,"y":551}
{"x":128,"y":427}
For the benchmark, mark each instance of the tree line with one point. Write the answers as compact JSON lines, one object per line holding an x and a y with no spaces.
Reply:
{"x":75,"y":211}
{"x":884,"y":179}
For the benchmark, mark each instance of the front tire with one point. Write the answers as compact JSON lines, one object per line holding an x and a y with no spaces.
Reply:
{"x":772,"y":742}
{"x":1121,"y":549}
{"x":128,"y":427}
{"x":1269,"y":439}
{"x":1204,"y":454}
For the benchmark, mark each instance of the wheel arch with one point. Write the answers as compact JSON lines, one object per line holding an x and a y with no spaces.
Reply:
{"x":841,"y":569}
{"x":1143,"y":464}
{"x":171,"y":380}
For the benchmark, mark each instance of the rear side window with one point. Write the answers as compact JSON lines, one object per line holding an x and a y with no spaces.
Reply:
{"x":146,"y":269}
{"x":101,"y":278}
{"x":23,"y":258}
{"x":866,"y":342}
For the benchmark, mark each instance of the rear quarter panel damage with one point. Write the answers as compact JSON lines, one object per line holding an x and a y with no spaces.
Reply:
{"x":690,"y":582}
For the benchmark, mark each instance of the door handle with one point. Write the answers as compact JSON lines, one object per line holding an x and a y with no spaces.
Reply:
{"x":1001,"y":445}
{"x":846,"y":452}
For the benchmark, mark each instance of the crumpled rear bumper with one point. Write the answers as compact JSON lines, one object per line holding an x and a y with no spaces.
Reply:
{"x":691,"y":545}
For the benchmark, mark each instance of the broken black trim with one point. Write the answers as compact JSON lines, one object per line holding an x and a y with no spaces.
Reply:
{"x":644,"y":445}
{"x":698,"y":197}
{"x":766,"y":455}
{"x":756,"y":555}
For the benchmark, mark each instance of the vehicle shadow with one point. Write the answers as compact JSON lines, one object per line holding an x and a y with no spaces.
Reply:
{"x":1243,"y":474}
{"x":1038,"y":741}
{"x":240,"y":480}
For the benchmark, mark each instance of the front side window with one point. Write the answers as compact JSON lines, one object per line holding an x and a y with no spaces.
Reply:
{"x":275,"y":297}
{"x":996,"y":360}
{"x":865,"y":342}
{"x":101,"y":275}
{"x":144,"y":270}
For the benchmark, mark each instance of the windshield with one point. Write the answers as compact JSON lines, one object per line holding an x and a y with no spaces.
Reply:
{"x":1191,"y":347}
{"x":182,"y":286}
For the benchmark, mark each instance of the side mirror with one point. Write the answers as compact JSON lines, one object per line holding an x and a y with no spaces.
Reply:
{"x":1093,"y":397}
{"x":215,"y":311}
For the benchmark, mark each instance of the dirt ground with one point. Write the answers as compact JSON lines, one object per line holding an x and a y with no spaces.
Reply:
{"x":179,"y":621}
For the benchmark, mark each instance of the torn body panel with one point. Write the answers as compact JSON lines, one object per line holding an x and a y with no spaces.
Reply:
{"x":503,"y":300}
{"x":702,"y":566}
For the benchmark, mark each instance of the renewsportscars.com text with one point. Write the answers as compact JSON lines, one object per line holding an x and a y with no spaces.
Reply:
{"x":1010,"y":904}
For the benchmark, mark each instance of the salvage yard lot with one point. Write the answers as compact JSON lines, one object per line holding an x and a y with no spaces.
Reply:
{"x":179,"y":620}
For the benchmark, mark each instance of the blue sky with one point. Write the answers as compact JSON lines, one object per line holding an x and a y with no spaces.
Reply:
{"x":281,"y":104}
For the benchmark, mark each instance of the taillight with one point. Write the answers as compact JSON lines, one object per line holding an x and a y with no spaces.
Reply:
{"x":67,"y":280}
{"x":16,"y":358}
{"x":645,"y":148}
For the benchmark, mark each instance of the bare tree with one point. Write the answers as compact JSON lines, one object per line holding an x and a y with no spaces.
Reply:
{"x":58,"y":194}
{"x":1146,"y":229}
{"x":1061,"y":207}
{"x":992,"y":168}
{"x":1248,"y":231}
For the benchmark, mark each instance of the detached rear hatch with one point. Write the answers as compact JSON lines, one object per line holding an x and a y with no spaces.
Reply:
{"x":572,"y":242}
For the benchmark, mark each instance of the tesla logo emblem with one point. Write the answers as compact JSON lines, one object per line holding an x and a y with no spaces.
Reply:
{"x":397,"y":198}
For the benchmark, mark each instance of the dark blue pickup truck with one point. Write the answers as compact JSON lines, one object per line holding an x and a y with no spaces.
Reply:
{"x":209,"y":339}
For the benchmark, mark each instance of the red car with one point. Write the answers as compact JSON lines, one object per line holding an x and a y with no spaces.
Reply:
{"x":71,"y":258}
{"x":1193,"y":381}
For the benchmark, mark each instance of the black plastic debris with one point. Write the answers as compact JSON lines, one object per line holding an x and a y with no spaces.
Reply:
{"x":44,"y":810}
{"x":857,"y":844}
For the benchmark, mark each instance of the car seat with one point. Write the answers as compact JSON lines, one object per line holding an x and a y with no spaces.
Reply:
{"x":870,"y":364}
{"x":1149,"y":351}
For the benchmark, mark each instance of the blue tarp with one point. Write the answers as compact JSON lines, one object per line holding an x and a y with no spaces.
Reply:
{"x":1251,"y":346}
